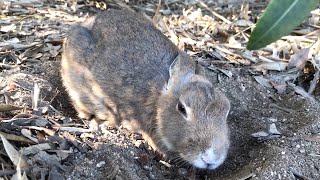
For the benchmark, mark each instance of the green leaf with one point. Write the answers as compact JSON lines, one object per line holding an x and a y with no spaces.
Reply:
{"x":279,"y":19}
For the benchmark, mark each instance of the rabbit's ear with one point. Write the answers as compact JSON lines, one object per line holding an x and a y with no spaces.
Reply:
{"x":180,"y":71}
{"x":173,"y":67}
{"x":182,"y":64}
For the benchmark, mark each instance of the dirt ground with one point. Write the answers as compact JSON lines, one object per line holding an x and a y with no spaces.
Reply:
{"x":275,"y":135}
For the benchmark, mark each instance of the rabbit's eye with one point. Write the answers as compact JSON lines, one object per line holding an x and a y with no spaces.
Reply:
{"x":182,"y":109}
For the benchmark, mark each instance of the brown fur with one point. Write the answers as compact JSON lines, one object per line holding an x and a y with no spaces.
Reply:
{"x":118,"y":67}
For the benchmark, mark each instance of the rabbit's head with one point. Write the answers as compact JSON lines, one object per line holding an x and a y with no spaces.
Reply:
{"x":192,"y":115}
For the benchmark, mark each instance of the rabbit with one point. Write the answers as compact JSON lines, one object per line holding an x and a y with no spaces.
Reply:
{"x":118,"y":67}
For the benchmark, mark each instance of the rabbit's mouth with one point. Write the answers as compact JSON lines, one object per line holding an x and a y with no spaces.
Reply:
{"x":209,"y":159}
{"x":200,"y":163}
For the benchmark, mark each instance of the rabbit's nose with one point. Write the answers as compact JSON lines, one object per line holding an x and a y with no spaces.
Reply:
{"x":210,"y":156}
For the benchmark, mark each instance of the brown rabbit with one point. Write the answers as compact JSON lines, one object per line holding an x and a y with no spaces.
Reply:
{"x":118,"y":67}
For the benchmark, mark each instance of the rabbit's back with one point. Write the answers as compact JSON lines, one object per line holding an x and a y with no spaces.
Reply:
{"x":115,"y":67}
{"x":131,"y":51}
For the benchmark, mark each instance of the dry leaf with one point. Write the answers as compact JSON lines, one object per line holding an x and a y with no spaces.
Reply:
{"x":35,"y":96}
{"x":301,"y":91}
{"x":280,"y":87}
{"x":9,"y":42}
{"x":249,"y":55}
{"x":260,"y":134}
{"x":13,"y":154}
{"x":8,"y":107}
{"x":19,"y":175}
{"x":50,"y":132}
{"x":234,"y":43}
{"x":299,"y":59}
{"x":263,"y":81}
{"x":74,"y":129}
{"x":48,"y":159}
{"x":27,"y":133}
{"x":314,"y":82}
{"x":276,"y":66}
{"x":273,"y":129}
{"x":13,"y":137}
{"x":243,"y":23}
{"x":35,"y":149}
{"x":226,"y":72}
{"x":25,"y":46}
{"x":8,"y":28}
{"x":63,"y":154}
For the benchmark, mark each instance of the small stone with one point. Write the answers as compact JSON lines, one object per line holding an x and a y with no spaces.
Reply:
{"x":100,"y":164}
{"x":146,"y":167}
{"x":182,"y":172}
{"x":44,"y":110}
{"x":302,"y":150}
{"x":273,"y":120}
{"x":138,"y":144}
{"x":152,"y":176}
